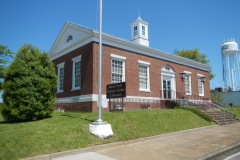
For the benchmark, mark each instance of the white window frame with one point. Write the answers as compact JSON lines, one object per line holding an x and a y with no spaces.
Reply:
{"x":143,"y":30}
{"x":190,"y":82}
{"x":135,"y":31}
{"x":202,"y":84}
{"x":75,"y":60}
{"x":145,"y":64}
{"x":122,"y":59}
{"x":60,"y":66}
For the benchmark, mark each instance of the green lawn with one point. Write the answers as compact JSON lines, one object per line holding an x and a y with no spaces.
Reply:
{"x":236,"y":111}
{"x":66,"y":131}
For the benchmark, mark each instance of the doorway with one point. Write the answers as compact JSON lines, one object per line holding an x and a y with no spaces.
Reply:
{"x":167,"y":91}
{"x":168,"y":82}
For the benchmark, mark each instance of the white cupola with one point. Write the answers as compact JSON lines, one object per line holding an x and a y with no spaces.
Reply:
{"x":139,"y":32}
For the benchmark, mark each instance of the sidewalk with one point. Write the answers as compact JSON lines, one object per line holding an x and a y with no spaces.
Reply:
{"x":198,"y":143}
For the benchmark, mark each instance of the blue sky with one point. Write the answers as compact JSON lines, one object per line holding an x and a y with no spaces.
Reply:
{"x":173,"y":24}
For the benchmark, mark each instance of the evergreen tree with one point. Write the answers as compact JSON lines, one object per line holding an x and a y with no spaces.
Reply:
{"x":5,"y":56}
{"x":29,"y":86}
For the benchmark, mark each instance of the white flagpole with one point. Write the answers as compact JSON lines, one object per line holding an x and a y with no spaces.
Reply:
{"x":100,"y":128}
{"x":100,"y":66}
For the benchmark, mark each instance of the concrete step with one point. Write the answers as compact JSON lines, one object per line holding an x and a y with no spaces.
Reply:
{"x":228,"y":122}
{"x":216,"y":114}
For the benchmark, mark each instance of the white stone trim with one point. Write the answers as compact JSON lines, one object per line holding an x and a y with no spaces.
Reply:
{"x":169,"y":74}
{"x":114,"y":56}
{"x":141,"y":49}
{"x":61,"y":65}
{"x":123,"y":44}
{"x":94,"y":98}
{"x":84,"y":98}
{"x":70,"y":48}
{"x":200,"y":75}
{"x":146,"y":98}
{"x":78,"y":58}
{"x":144,"y":63}
{"x":187,"y":72}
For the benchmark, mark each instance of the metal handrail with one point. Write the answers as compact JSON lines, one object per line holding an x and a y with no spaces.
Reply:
{"x":205,"y":102}
{"x":221,"y":107}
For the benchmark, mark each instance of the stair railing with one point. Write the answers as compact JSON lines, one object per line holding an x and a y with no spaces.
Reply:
{"x":220,"y":108}
{"x":230,"y":110}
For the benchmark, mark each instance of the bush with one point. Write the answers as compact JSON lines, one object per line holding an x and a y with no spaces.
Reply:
{"x":170,"y":104}
{"x":197,"y":112}
{"x":216,"y":97}
{"x":29,"y":86}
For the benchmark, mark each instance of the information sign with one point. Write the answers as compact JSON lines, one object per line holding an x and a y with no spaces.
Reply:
{"x":116,"y":90}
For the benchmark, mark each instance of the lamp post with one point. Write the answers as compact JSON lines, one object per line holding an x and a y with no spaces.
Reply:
{"x":203,"y":79}
{"x":182,"y":75}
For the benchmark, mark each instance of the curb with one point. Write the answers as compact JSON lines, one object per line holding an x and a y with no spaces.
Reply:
{"x":112,"y":145}
{"x":209,"y":155}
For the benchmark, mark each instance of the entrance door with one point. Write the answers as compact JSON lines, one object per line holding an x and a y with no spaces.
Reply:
{"x":167,"y":90}
{"x":168,"y":83}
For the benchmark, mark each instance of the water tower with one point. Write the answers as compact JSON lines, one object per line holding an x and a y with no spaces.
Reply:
{"x":231,"y":70}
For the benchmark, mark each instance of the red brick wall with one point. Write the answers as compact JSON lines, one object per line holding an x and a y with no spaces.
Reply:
{"x":86,"y":71}
{"x":132,"y":75}
{"x":89,"y":74}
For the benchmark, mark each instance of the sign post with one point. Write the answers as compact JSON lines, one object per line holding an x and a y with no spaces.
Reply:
{"x":116,"y":90}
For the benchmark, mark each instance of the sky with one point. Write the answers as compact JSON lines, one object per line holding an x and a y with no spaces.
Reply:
{"x":173,"y":24}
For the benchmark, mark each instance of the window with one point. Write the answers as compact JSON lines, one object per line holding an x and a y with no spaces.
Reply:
{"x":188,"y":88}
{"x":135,"y":31}
{"x":76,"y":77}
{"x":200,"y":86}
{"x":143,"y":30}
{"x":144,"y":82}
{"x":60,"y":80}
{"x":118,"y":69}
{"x":69,"y":38}
{"x":77,"y":74}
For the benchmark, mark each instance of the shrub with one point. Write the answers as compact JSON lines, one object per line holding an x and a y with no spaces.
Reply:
{"x":170,"y":104}
{"x":216,"y":97}
{"x":29,"y":86}
{"x":197,"y":112}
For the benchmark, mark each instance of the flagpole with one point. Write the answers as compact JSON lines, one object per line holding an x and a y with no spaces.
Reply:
{"x":100,"y":128}
{"x":100,"y":66}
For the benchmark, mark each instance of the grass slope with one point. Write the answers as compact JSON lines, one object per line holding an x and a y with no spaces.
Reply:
{"x":66,"y":131}
{"x":236,"y":111}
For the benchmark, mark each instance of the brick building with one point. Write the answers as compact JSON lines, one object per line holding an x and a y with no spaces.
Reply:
{"x":151,"y":76}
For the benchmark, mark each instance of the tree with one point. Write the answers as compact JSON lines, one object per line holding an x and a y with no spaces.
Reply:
{"x":216,"y":97}
{"x":196,"y":56}
{"x":5,"y":56}
{"x":29,"y":86}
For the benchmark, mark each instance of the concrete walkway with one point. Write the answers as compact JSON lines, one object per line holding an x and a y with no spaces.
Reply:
{"x":198,"y":143}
